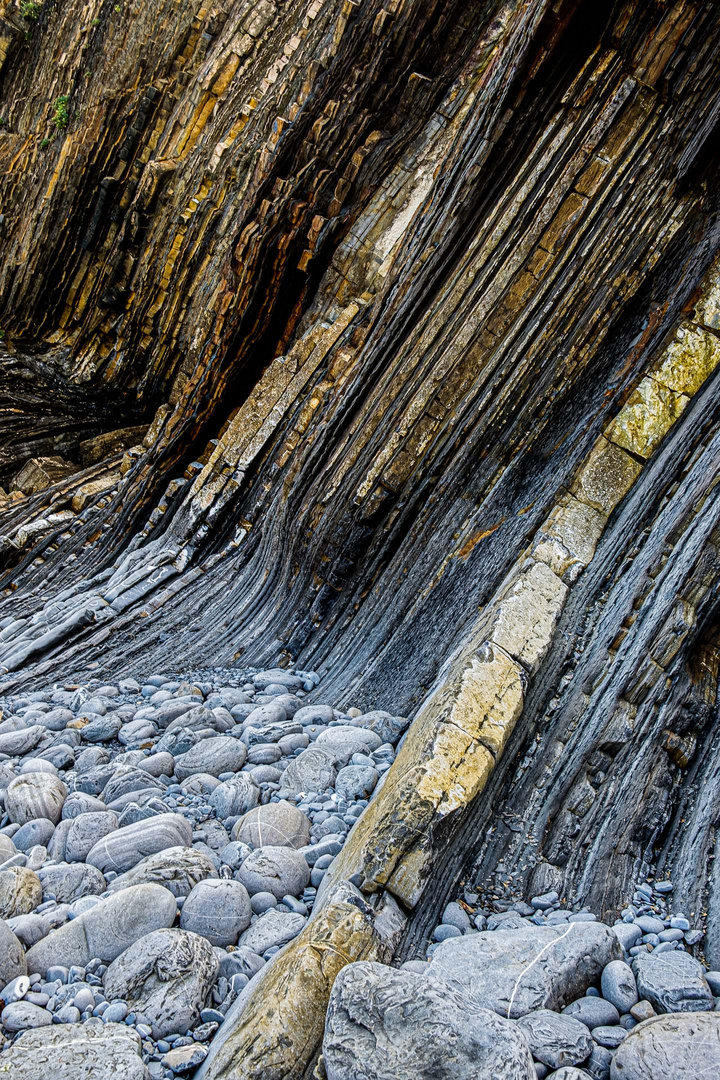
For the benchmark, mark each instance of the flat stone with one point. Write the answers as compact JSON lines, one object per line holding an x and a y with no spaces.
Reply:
{"x":273,"y":928}
{"x":556,"y":1040}
{"x":165,"y":975}
{"x":89,"y":1051}
{"x":178,"y":869}
{"x":21,"y":1015}
{"x":214,"y":756}
{"x":672,"y":982}
{"x":593,"y":1012}
{"x":38,"y":831}
{"x":21,"y":741}
{"x":35,"y":795}
{"x":124,"y":848}
{"x":278,"y":824}
{"x":277,"y":870}
{"x":536,"y":967}
{"x":219,"y":910}
{"x":398,"y":1025}
{"x":679,"y":1047}
{"x":106,"y":929}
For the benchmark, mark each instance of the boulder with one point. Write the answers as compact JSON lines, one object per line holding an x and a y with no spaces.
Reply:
{"x":672,"y":982}
{"x":20,"y":891}
{"x":235,"y":796}
{"x":35,"y":795}
{"x":279,"y":824}
{"x":273,"y":928}
{"x":214,"y":756}
{"x":124,"y":848}
{"x":219,"y":910}
{"x":69,"y":881}
{"x":281,"y":871}
{"x":535,"y":967}
{"x":682,"y":1046}
{"x":386,"y":1024}
{"x":12,"y":955}
{"x":344,"y":740}
{"x":106,"y":929}
{"x":85,"y":831}
{"x":178,"y":869}
{"x":312,"y":770}
{"x":90,"y":1051}
{"x":165,"y":975}
{"x":556,"y":1040}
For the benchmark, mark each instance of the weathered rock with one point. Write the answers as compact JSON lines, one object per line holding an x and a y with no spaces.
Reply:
{"x":555,"y":1040}
{"x":12,"y":955}
{"x":218,"y":910}
{"x":271,"y":929}
{"x":683,"y":1047}
{"x":124,"y":848}
{"x":35,"y":795}
{"x":389,"y":728}
{"x":21,"y":1015}
{"x":384,"y":1024}
{"x":281,"y":871}
{"x":21,"y":741}
{"x":619,"y":986}
{"x":92,"y":1051}
{"x":106,"y":929}
{"x":312,"y":770}
{"x":165,"y":975}
{"x":537,"y":967}
{"x":69,"y":881}
{"x":356,"y":781}
{"x":345,"y":740}
{"x":235,"y":796}
{"x":276,"y":824}
{"x":214,"y":756}
{"x":672,"y":982}
{"x":86,"y":831}
{"x":178,"y":869}
{"x":38,"y":831}
{"x":20,"y":891}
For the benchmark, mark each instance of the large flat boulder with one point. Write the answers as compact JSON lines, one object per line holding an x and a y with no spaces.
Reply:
{"x":90,"y":1051}
{"x":681,"y":1046}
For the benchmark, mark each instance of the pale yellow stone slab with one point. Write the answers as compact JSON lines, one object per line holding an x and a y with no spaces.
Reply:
{"x":526,"y":616}
{"x":606,"y":477}
{"x":689,"y":360}
{"x":646,"y":417}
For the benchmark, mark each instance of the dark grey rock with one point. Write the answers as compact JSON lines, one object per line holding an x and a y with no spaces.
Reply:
{"x":278,"y":870}
{"x":165,"y":975}
{"x":535,"y":967}
{"x":678,"y":1047}
{"x":125,"y":779}
{"x":554,"y":1039}
{"x":593,"y":1012}
{"x":672,"y":982}
{"x":385,"y":1024}
{"x":278,"y":824}
{"x":34,"y":832}
{"x":219,"y":910}
{"x":102,"y":729}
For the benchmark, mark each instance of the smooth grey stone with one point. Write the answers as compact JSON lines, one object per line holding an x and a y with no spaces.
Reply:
{"x":235,"y":796}
{"x":219,"y":910}
{"x":101,"y":729}
{"x":56,"y":719}
{"x":166,"y":976}
{"x":455,"y":915}
{"x":272,"y":929}
{"x":7,"y":846}
{"x":628,"y":934}
{"x":534,"y":967}
{"x":88,"y":1051}
{"x":61,"y":756}
{"x":214,"y":756}
{"x":34,"y":832}
{"x":288,"y":744}
{"x":184,"y":1059}
{"x":136,"y":732}
{"x":649,"y":924}
{"x":278,"y":824}
{"x":356,"y":782}
{"x":262,"y":902}
{"x":569,"y":1073}
{"x":682,"y":1046}
{"x":397,"y":1025}
{"x":158,"y":764}
{"x":35,"y":795}
{"x":89,"y":758}
{"x":21,"y":741}
{"x":712,"y":978}
{"x":125,"y":847}
{"x":312,"y":770}
{"x":556,"y":1040}
{"x":38,"y":764}
{"x":278,"y":870}
{"x":618,"y":985}
{"x":593,"y":1012}
{"x":107,"y":929}
{"x":178,"y":869}
{"x":12,"y":955}
{"x":195,"y":719}
{"x":609,"y":1036}
{"x":28,"y":929}
{"x":314,"y":714}
{"x":71,"y":881}
{"x":264,"y":754}
{"x":85,"y":831}
{"x":178,"y":741}
{"x":599,"y":1063}
{"x":93,"y":780}
{"x":345,"y":740}
{"x":126,"y":779}
{"x":672,"y":982}
{"x":234,"y":854}
{"x":20,"y":891}
{"x":21,"y":1015}
{"x":266,"y":774}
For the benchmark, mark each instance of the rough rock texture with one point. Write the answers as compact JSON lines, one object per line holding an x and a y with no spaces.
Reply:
{"x":418,"y":301}
{"x":123,"y":848}
{"x":167,"y":976}
{"x":81,"y":1051}
{"x":682,"y":1047}
{"x":12,"y":955}
{"x":536,"y":967}
{"x":178,"y":869}
{"x":384,"y":1024}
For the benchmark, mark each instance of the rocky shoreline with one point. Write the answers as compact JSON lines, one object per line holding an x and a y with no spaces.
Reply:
{"x":162,"y":840}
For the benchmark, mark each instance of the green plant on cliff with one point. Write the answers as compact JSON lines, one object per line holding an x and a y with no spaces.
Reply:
{"x":29,"y":9}
{"x":60,"y":112}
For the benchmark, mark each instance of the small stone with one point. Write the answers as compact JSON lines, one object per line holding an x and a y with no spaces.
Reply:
{"x":619,"y":986}
{"x":21,"y":1015}
{"x":593,"y":1012}
{"x":642,"y":1011}
{"x":185,"y":1058}
{"x":15,"y":990}
{"x":356,"y":782}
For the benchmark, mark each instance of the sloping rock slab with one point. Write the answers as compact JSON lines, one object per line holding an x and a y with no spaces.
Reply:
{"x":536,"y":967}
{"x":91,"y":1051}
{"x":385,"y":1024}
